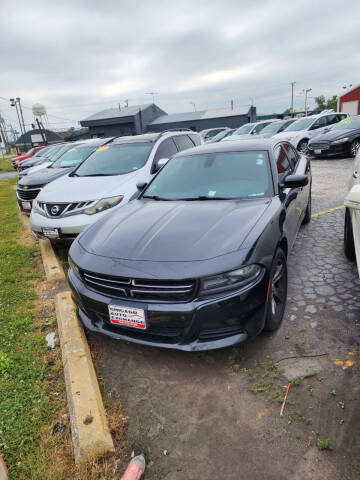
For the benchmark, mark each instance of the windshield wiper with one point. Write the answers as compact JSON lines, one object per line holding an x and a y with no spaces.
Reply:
{"x":96,"y":175}
{"x":204,"y":197}
{"x":156,"y":197}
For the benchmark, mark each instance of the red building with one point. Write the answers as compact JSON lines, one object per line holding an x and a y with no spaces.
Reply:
{"x":350,"y":101}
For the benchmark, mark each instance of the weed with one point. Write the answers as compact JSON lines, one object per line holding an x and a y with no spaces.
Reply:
{"x":341,"y":422}
{"x":311,"y":389}
{"x":296,"y":381}
{"x":298,"y":436}
{"x":236,"y":367}
{"x":341,"y":405}
{"x":319,"y":378}
{"x":333,"y":392}
{"x":324,"y":444}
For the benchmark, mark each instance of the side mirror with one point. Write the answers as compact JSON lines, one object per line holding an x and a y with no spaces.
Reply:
{"x":160,"y":163}
{"x":141,"y":185}
{"x":352,"y":199}
{"x":295,"y":181}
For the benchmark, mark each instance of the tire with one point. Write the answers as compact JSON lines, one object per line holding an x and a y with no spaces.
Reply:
{"x":303,"y":146}
{"x":307,"y":216}
{"x":278,"y":292}
{"x":354,"y":147}
{"x":349,"y":247}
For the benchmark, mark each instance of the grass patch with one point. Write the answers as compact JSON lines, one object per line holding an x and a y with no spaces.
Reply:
{"x":25,"y":404}
{"x":5,"y":164}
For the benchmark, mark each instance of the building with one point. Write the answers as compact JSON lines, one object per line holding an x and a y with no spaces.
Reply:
{"x":225,"y":117}
{"x":349,"y":102}
{"x":33,"y":138}
{"x":113,"y":122}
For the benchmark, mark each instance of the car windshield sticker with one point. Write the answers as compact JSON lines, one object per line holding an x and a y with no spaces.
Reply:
{"x":100,"y":149}
{"x":260,"y":160}
{"x":212,"y":193}
{"x":71,"y":150}
{"x":346,"y":121}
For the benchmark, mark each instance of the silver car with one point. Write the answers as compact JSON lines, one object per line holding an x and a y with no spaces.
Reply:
{"x":246,"y":131}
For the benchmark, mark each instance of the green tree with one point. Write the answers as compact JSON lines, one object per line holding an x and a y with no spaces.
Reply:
{"x":320,"y":102}
{"x":332,"y":102}
{"x":287,"y":111}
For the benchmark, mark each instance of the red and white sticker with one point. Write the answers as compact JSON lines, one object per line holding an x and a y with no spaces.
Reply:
{"x":127,"y":316}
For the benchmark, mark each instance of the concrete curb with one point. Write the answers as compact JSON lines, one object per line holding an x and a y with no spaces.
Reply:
{"x":24,"y":219}
{"x":53,"y":270}
{"x":90,"y":432}
{"x":3,"y":469}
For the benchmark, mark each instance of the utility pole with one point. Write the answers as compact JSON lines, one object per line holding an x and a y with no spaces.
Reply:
{"x":41,"y":132}
{"x":232,"y":104}
{"x":21,"y":113}
{"x":193,"y":104}
{"x":292,"y":97}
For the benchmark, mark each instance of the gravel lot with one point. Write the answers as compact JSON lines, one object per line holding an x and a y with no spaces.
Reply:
{"x":198,"y":407}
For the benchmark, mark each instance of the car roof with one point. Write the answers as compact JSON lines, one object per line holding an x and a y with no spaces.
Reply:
{"x":233,"y":146}
{"x":151,"y":137}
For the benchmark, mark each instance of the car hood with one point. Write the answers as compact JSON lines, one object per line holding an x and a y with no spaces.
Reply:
{"x":44,"y":176}
{"x":335,"y":134}
{"x":81,"y":189}
{"x":174,"y":231}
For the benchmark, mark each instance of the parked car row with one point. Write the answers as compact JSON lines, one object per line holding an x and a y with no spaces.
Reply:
{"x":189,"y":253}
{"x":326,"y":134}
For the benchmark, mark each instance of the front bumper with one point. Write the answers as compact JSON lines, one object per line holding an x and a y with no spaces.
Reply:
{"x":202,"y":324}
{"x":69,"y":226}
{"x":329,"y":150}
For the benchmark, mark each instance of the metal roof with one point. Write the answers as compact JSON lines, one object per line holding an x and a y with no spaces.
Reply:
{"x":201,"y":115}
{"x":116,"y":113}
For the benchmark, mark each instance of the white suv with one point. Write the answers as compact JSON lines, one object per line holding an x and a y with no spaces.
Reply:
{"x":300,"y":132}
{"x":107,"y":179}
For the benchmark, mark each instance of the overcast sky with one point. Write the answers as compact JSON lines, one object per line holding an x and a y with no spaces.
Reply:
{"x":79,"y":57}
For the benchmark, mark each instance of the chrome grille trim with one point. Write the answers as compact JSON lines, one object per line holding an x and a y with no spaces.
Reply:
{"x":72,"y":208}
{"x":141,"y":289}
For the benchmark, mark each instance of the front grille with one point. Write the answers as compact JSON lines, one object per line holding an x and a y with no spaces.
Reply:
{"x":29,"y":193}
{"x":146,"y":290}
{"x":319,"y":146}
{"x":61,"y":209}
{"x":219,"y":333}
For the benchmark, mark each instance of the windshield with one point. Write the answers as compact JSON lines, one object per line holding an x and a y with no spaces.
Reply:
{"x":272,"y":127}
{"x":213,"y":176}
{"x":41,"y":152}
{"x":29,"y":152}
{"x":221,"y":135}
{"x":300,"y":124}
{"x":116,"y":159}
{"x":63,"y":149}
{"x":244,"y":129}
{"x":52,"y":151}
{"x":73,"y":157}
{"x":347,"y":124}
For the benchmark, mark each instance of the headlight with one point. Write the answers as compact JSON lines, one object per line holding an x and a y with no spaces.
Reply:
{"x":74,"y":267}
{"x":103,"y":204}
{"x":342,"y":140}
{"x":230,"y":280}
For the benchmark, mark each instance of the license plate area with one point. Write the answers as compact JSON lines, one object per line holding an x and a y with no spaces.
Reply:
{"x":51,"y":232}
{"x":26,"y":205}
{"x":127,"y":316}
{"x":317,"y":151}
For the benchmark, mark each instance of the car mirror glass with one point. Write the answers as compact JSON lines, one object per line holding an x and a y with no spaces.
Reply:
{"x":160,"y":163}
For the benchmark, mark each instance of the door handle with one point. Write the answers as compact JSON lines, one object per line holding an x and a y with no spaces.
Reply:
{"x":355,"y":174}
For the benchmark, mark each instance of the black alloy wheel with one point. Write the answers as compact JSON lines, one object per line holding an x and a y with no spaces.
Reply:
{"x":303,"y":147}
{"x":349,"y":247}
{"x":278,"y":292}
{"x":354,"y":147}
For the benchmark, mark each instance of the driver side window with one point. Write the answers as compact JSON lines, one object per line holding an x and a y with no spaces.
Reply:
{"x":320,"y":122}
{"x":166,"y":149}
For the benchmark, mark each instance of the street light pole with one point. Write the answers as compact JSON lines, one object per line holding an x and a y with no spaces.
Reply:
{"x":14,"y":104}
{"x":193,"y":104}
{"x":306,"y":93}
{"x":292,"y":97}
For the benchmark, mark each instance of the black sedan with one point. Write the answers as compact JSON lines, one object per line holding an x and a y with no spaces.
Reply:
{"x":342,"y":139}
{"x":198,"y":260}
{"x":29,"y":186}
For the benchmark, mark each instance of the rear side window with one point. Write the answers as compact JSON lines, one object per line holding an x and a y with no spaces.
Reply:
{"x":320,"y":122}
{"x":292,"y":154}
{"x":183,"y":142}
{"x":196,"y":139}
{"x":282,"y":161}
{"x":332,"y":119}
{"x":166,"y":149}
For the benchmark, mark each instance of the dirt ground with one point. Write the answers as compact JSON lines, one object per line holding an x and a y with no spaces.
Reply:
{"x":216,"y":414}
